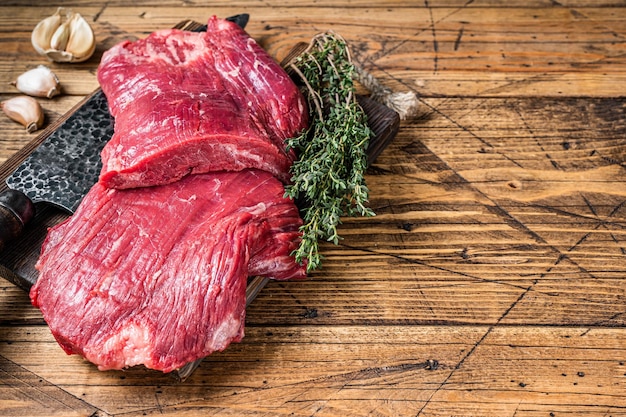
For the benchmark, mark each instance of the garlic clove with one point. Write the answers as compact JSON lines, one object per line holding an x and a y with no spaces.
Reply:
{"x":59,"y":39}
{"x":42,"y":34}
{"x":38,"y":82}
{"x":25,"y":110}
{"x":82,"y":41}
{"x":71,"y":40}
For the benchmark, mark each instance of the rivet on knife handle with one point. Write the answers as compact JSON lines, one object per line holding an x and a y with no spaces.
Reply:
{"x":16,"y":210}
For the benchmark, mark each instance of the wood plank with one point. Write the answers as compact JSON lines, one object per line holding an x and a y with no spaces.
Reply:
{"x":495,"y":4}
{"x":25,"y":393}
{"x":433,"y":370}
{"x":15,"y":306}
{"x":470,"y":42}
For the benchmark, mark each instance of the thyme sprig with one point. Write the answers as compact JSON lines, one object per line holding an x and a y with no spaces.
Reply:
{"x":327,"y":178}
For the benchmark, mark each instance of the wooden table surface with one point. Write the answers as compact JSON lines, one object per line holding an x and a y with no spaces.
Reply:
{"x":492,"y":280}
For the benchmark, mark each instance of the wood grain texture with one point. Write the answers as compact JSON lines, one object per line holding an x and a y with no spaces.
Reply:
{"x":394,"y":370}
{"x":491,"y":281}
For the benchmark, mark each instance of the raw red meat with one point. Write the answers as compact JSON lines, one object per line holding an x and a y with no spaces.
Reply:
{"x":157,"y":275}
{"x":187,"y":102}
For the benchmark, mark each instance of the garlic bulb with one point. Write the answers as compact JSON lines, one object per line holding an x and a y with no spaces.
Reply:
{"x":71,"y":40}
{"x":25,"y":110}
{"x":38,"y":82}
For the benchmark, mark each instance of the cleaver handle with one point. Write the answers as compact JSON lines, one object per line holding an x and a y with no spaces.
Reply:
{"x":16,"y":210}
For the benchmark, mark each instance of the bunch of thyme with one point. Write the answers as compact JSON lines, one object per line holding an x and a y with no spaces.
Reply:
{"x":327,"y":178}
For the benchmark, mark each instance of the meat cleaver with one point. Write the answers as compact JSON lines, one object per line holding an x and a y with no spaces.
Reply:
{"x":61,"y":170}
{"x":67,"y":163}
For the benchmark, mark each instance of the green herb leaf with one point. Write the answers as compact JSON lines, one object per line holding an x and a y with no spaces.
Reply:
{"x":327,"y":178}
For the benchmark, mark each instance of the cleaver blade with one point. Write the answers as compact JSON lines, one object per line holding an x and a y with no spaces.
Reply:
{"x":61,"y":170}
{"x":67,"y":164}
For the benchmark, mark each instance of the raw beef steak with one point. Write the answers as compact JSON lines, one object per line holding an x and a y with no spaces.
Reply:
{"x":157,"y":275}
{"x":187,"y":102}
